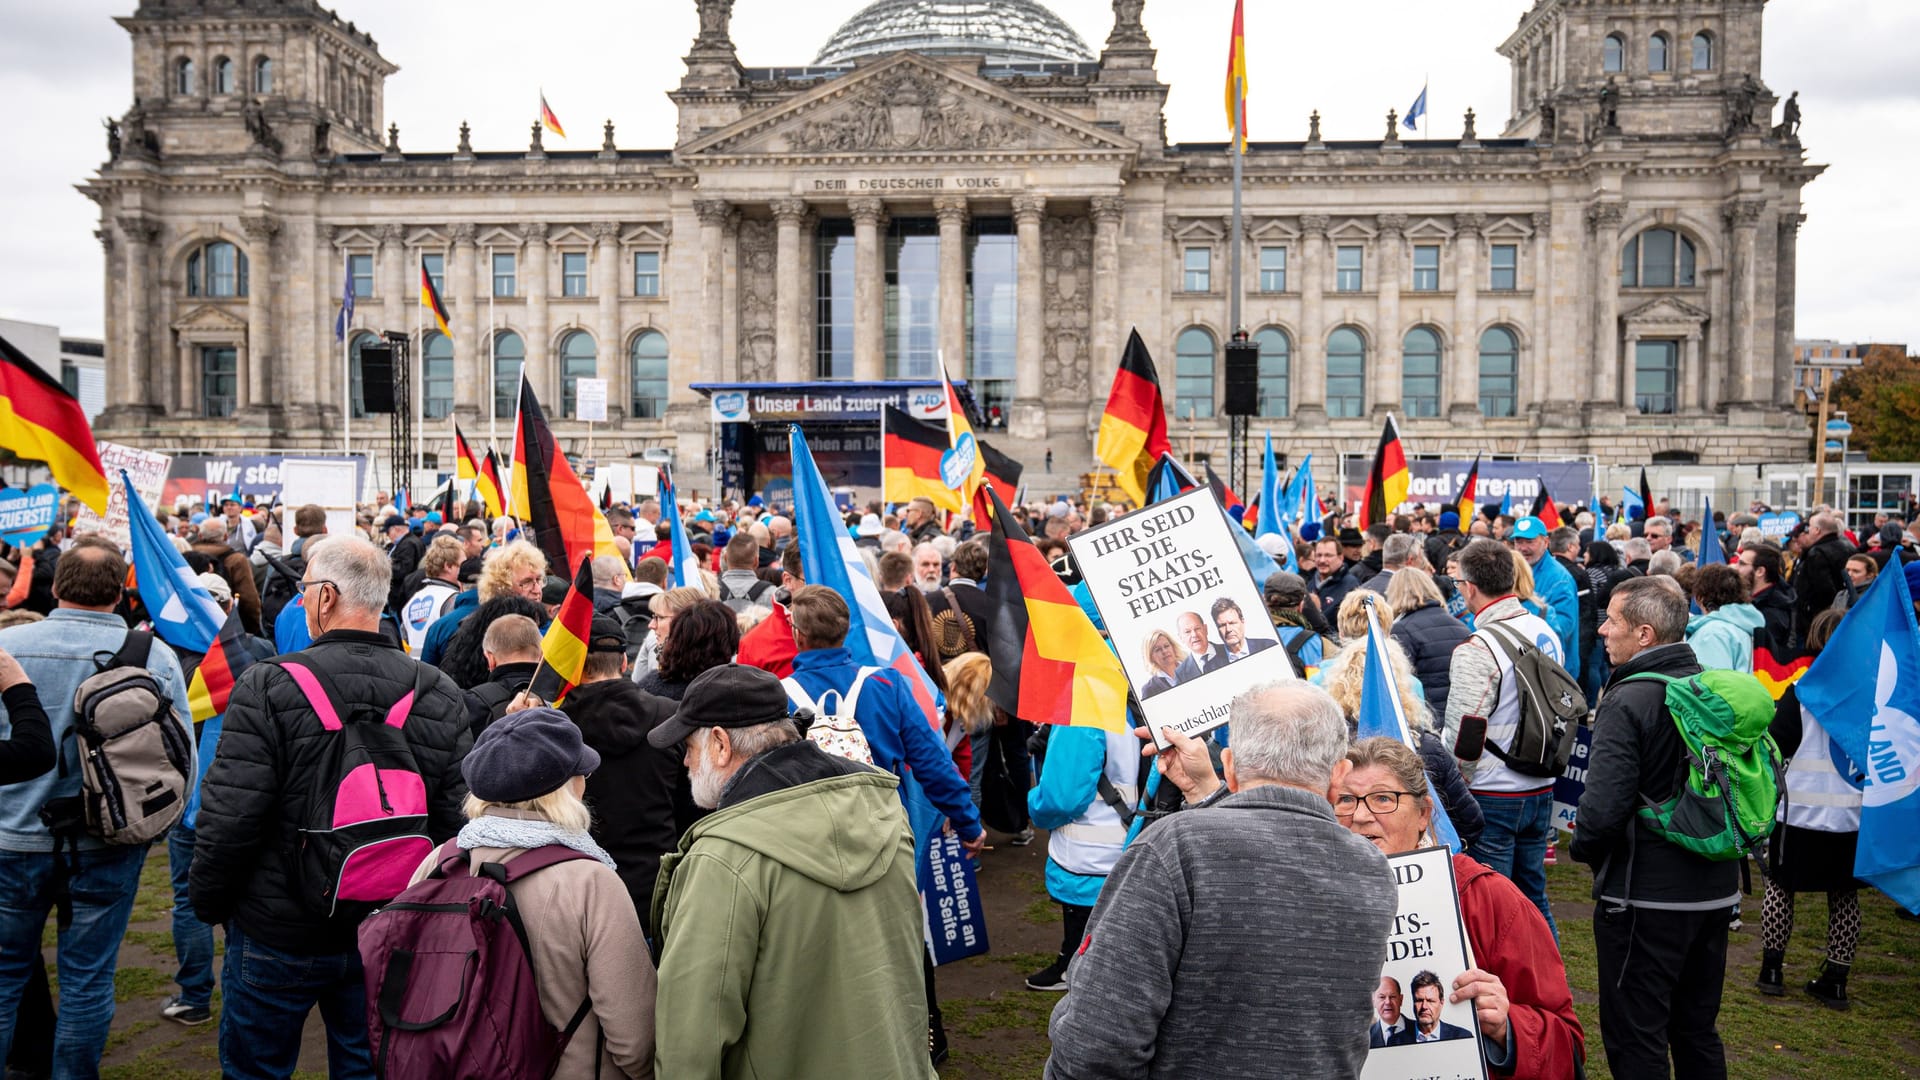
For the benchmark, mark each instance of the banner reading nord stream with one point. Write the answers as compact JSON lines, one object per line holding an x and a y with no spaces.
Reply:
{"x":1436,"y":483}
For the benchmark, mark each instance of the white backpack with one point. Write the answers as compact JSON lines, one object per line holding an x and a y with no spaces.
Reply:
{"x":836,"y":732}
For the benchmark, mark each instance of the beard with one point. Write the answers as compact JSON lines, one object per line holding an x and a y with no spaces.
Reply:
{"x":707,"y":781}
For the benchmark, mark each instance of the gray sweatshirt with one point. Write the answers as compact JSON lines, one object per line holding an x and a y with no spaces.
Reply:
{"x":1242,"y":940}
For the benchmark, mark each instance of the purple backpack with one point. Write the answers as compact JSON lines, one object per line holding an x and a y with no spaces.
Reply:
{"x":361,"y":845}
{"x":450,"y":985}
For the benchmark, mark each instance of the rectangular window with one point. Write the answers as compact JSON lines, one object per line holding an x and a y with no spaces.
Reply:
{"x":1656,"y":259}
{"x":1505,"y":268}
{"x":1426,"y":268}
{"x":436,"y":268}
{"x":1199,"y":270}
{"x":833,"y":300}
{"x":504,"y":281}
{"x":1656,"y":376}
{"x":219,"y":380}
{"x":361,"y":266}
{"x":1347,"y":274}
{"x":573,"y":273}
{"x":1273,"y":269}
{"x":912,"y":261}
{"x":646,"y":273}
{"x":991,"y":307}
{"x":70,"y":377}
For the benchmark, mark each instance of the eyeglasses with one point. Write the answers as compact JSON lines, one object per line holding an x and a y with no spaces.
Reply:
{"x":305,"y":586}
{"x":1380,"y":803}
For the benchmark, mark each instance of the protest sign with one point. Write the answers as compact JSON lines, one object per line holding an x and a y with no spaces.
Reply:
{"x":146,"y":469}
{"x":590,"y":400}
{"x":1778,"y":526}
{"x":956,"y":923}
{"x":1426,"y":951}
{"x":1185,"y":616}
{"x":25,"y":516}
{"x":1572,"y":783}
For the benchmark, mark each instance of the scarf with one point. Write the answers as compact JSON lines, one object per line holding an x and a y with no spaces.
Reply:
{"x":504,"y":832}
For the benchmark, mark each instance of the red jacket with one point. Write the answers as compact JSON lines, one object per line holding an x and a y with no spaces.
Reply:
{"x":769,"y":645}
{"x":1511,"y":940}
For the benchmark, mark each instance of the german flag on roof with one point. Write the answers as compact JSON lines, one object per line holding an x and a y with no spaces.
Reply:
{"x":1133,"y":429}
{"x":1050,"y":666}
{"x":1388,"y":481}
{"x":563,"y":651}
{"x":40,"y":421}
{"x":910,"y":452}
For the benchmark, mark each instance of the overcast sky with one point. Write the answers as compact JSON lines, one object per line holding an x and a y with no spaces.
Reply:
{"x":65,"y":64}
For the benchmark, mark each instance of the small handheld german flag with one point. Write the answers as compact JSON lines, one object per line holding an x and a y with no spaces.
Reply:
{"x":40,"y":421}
{"x":563,"y":651}
{"x":1388,"y":481}
{"x":910,"y":451}
{"x":487,"y":485}
{"x":1544,"y":508}
{"x":1133,"y":427}
{"x":430,"y":299}
{"x":1469,"y":491}
{"x":548,"y":120}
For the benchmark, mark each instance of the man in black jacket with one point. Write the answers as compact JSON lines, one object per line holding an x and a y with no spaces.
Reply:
{"x":271,"y":781}
{"x":632,"y":791}
{"x":511,"y":646}
{"x":1660,"y":927}
{"x":1764,"y":569}
{"x":1820,"y":572}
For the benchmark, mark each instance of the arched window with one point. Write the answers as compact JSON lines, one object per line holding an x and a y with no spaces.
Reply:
{"x":648,"y":358}
{"x":218,"y":270}
{"x":355,"y":378}
{"x":1703,"y":51}
{"x":509,"y":356}
{"x":1657,"y":259}
{"x":263,"y":75}
{"x":1657,"y":49}
{"x":183,"y":77}
{"x":577,"y":361}
{"x":1276,"y":362}
{"x":1420,"y":373}
{"x":1613,"y":53}
{"x":1499,"y":372}
{"x":222,"y":75}
{"x":436,"y":366}
{"x":1193,"y":374}
{"x":1346,"y":373}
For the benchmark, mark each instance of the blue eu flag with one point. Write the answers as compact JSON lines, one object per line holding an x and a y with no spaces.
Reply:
{"x":1415,"y":111}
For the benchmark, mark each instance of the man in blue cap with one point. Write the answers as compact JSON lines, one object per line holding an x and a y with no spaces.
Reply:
{"x":1554,"y":596}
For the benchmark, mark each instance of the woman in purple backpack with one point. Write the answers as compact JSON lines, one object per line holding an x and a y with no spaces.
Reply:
{"x":526,"y":774}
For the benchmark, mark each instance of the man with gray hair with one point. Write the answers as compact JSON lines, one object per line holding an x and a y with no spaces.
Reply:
{"x":274,"y":782}
{"x":1246,"y":934}
{"x":1400,"y":550}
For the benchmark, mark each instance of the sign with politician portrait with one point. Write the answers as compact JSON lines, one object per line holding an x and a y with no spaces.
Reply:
{"x":1184,"y":615}
{"x":1415,"y":1034}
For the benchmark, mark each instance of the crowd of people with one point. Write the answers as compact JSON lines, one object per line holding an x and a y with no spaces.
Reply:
{"x":716,"y":870}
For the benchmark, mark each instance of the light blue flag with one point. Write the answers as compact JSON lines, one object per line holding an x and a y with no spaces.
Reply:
{"x":1710,"y":550}
{"x":1273,"y":509}
{"x":1305,"y":497}
{"x":183,"y":613}
{"x":1168,"y":480}
{"x":1383,"y":713}
{"x":683,"y":571}
{"x":1864,"y":688}
{"x":1415,"y":111}
{"x":1506,"y":504}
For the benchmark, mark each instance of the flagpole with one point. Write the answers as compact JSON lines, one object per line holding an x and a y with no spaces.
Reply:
{"x":1233,"y":255}
{"x":416,"y":371}
{"x":346,"y":368}
{"x":493,"y":410}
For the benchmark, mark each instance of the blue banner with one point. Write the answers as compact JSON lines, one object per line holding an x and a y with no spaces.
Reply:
{"x":956,"y":920}
{"x":25,"y":516}
{"x":1572,"y":783}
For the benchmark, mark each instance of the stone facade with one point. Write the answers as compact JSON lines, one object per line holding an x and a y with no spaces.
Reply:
{"x":1523,"y":233}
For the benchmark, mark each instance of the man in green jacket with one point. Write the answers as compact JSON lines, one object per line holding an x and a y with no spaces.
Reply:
{"x":789,"y":920}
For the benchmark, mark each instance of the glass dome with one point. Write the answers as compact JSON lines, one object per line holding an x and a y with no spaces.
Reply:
{"x":1005,"y":31}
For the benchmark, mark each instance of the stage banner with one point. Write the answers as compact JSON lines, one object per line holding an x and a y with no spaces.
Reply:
{"x":956,"y":924}
{"x":1183,"y":613}
{"x":200,"y":479}
{"x":1427,"y":950}
{"x":1436,"y":483}
{"x":146,"y":469}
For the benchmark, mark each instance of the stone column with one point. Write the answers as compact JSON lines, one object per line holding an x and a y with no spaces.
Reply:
{"x":1785,"y":290}
{"x":392,"y":283}
{"x":1103,"y":339}
{"x":137,"y":335}
{"x":713,"y":215}
{"x":533,"y":283}
{"x":256,"y":382}
{"x":1690,"y":381}
{"x":469,"y":319}
{"x":1463,"y":383}
{"x":1604,"y":219}
{"x":1534,"y":374}
{"x":111,"y":328}
{"x":1388,"y":384}
{"x":869,"y":291}
{"x":1029,"y":419}
{"x":613,"y":365}
{"x":1743,"y":379}
{"x":952,"y":212}
{"x":789,"y":331}
{"x":1310,"y":380}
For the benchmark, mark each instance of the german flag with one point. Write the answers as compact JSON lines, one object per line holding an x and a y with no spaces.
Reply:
{"x":1050,"y":666}
{"x":1646,"y":495}
{"x":966,"y":445}
{"x":1222,"y":492}
{"x":430,"y":299}
{"x":465,"y":465}
{"x":910,"y":453}
{"x":40,"y":421}
{"x":563,"y":651}
{"x":548,"y":496}
{"x":1544,"y":509}
{"x":218,"y":672}
{"x":1003,"y":475}
{"x":1388,"y":481}
{"x":606,"y":498}
{"x":548,"y":120}
{"x":1251,"y":518}
{"x":1773,"y":674}
{"x":1133,"y":429}
{"x":1469,"y":490}
{"x":487,"y":485}
{"x":1237,"y":77}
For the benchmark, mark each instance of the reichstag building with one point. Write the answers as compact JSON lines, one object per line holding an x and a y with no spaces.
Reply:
{"x":1609,"y":272}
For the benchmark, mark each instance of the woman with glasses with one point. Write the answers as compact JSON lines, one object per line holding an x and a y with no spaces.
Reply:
{"x":1522,"y":1003}
{"x":665,"y":606}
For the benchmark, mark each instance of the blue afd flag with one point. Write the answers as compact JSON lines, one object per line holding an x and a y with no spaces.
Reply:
{"x":1710,"y":550}
{"x":1382,"y":713}
{"x":1273,"y":511}
{"x":183,"y":614}
{"x":1168,"y":480}
{"x":1415,"y":111}
{"x":1864,"y":688}
{"x":1506,"y":504}
{"x":683,"y":571}
{"x":1303,"y":504}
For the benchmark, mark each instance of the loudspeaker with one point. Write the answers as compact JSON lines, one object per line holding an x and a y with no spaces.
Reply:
{"x":1242,"y":396}
{"x":376,"y":378}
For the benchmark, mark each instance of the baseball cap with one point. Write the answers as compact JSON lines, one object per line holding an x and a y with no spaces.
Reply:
{"x":1529,"y":528}
{"x":394,"y":521}
{"x":732,"y":696}
{"x":217,"y":587}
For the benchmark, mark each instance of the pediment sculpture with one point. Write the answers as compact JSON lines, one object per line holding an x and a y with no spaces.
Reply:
{"x":907,"y":110}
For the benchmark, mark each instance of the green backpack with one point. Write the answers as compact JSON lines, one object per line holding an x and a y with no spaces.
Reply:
{"x":1725,"y":808}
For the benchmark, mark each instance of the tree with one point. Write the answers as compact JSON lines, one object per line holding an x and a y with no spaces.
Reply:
{"x":1877,"y":397}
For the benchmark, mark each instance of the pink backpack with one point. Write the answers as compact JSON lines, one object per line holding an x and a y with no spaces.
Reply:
{"x":451,"y":993}
{"x":361,"y":845}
